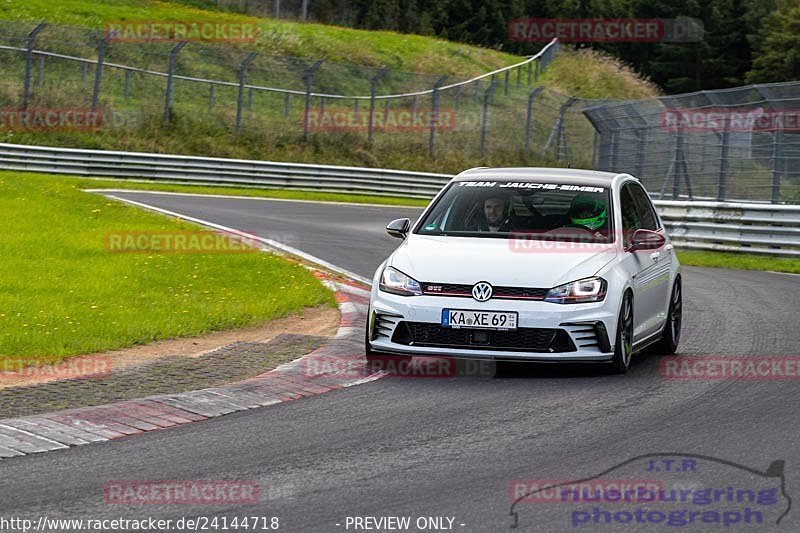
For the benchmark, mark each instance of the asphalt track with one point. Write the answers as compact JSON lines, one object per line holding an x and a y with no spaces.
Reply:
{"x":450,"y":447}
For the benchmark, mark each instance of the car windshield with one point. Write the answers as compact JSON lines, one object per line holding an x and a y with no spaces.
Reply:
{"x":558,"y":211}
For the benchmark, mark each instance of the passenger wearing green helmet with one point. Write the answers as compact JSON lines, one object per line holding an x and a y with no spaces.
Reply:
{"x":588,"y":212}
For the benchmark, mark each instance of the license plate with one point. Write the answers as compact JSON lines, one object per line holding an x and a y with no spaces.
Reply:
{"x":457,"y":318}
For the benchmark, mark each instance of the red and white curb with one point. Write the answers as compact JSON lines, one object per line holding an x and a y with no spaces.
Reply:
{"x":340,"y":363}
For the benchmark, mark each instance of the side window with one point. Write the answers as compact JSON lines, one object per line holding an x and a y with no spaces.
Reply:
{"x":630,"y":218}
{"x":644,"y":207}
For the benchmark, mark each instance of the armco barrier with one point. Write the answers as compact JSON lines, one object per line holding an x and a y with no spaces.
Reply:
{"x":740,"y":227}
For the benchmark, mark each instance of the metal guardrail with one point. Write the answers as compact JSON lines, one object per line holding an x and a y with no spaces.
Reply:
{"x":739,"y":227}
{"x":217,"y":171}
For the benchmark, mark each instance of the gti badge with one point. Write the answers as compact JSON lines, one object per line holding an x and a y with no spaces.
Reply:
{"x":482,"y":291}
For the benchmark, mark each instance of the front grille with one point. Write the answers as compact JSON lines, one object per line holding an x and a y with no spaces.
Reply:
{"x":500,"y":293}
{"x":541,"y":340}
{"x":519,"y":293}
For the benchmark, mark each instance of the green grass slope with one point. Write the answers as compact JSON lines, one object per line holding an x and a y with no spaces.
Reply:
{"x":63,"y":291}
{"x":352,"y":56}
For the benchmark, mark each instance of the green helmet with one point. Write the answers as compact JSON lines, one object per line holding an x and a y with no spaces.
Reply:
{"x":588,"y":211}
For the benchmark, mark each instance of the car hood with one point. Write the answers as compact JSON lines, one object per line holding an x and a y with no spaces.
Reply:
{"x":499,"y":261}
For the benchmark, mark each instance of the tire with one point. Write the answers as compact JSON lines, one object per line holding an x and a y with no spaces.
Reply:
{"x":668,"y":344}
{"x":623,"y":346}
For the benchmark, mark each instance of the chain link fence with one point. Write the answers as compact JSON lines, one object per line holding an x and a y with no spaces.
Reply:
{"x":274,"y":99}
{"x":731,"y":144}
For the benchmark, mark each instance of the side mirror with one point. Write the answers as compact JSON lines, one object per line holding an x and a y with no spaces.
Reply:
{"x":645,"y":239}
{"x":399,"y":228}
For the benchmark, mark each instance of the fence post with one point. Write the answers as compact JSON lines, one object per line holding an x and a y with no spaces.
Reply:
{"x":277,"y":6}
{"x":505,"y":87}
{"x":98,"y":73}
{"x":530,"y":67}
{"x":309,"y":83}
{"x":240,"y":96}
{"x":372,"y":85}
{"x":26,"y":85}
{"x":677,"y":169}
{"x":170,"y":73}
{"x":487,"y":96}
{"x":529,"y":117}
{"x":558,"y":130}
{"x":434,"y":112}
{"x":722,"y":185}
{"x":641,"y":151}
{"x":84,"y":72}
{"x":777,"y":163}
{"x":519,"y":77}
{"x":305,"y":10}
{"x":613,"y":155}
{"x":679,"y":156}
{"x":536,"y":70}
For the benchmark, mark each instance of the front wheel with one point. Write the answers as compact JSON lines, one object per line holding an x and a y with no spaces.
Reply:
{"x":623,"y":347}
{"x":668,"y":344}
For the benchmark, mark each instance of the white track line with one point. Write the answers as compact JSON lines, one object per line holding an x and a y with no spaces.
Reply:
{"x":267,"y":242}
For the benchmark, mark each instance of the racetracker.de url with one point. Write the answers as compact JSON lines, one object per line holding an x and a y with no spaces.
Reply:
{"x":198,"y":523}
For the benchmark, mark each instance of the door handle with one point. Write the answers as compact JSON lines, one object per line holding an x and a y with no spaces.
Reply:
{"x":655,"y":256}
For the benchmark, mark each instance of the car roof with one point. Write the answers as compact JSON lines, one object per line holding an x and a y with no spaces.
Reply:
{"x":571,"y":176}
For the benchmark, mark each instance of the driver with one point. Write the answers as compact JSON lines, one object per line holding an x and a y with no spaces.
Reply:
{"x":588,"y":212}
{"x":495,"y":209}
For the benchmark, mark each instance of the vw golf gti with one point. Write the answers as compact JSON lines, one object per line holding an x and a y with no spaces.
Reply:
{"x":529,"y":264}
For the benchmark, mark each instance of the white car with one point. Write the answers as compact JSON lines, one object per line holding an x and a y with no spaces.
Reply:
{"x":529,"y":264}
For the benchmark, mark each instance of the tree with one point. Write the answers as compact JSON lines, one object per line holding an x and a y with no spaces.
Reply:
{"x":777,"y":56}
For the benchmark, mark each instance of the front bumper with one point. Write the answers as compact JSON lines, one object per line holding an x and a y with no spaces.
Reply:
{"x":410,"y":325}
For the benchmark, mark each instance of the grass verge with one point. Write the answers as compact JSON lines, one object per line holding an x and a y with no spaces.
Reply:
{"x":62,"y":293}
{"x":738,"y":261}
{"x":286,"y":194}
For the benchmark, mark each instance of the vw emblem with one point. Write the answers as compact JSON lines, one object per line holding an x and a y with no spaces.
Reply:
{"x":481,"y":291}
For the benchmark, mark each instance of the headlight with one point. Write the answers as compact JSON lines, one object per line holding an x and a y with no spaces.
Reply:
{"x":395,"y":282}
{"x":578,"y":292}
